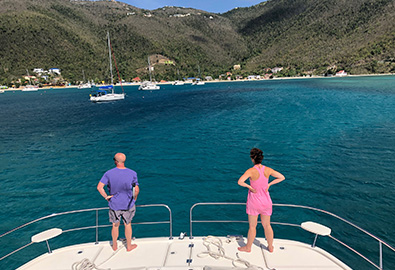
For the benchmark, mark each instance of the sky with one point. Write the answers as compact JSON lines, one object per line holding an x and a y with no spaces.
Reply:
{"x":214,"y":6}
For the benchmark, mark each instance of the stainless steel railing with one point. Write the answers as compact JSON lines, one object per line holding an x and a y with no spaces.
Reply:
{"x":380,"y":242}
{"x":192,"y":221}
{"x":96,"y":227}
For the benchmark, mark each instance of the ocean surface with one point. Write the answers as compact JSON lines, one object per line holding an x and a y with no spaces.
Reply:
{"x":332,"y":138}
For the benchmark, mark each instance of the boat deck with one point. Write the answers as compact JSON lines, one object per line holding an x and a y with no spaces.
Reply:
{"x":187,"y":253}
{"x":199,"y":253}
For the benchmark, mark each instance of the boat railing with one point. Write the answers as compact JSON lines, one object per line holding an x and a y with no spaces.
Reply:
{"x":381,"y":243}
{"x":97,"y":226}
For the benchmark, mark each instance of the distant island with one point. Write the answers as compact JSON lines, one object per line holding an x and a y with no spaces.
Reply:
{"x":294,"y":38}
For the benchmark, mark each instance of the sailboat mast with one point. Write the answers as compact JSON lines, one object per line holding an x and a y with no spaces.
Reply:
{"x":149,"y":69}
{"x":109,"y":55}
{"x":30,"y":81}
{"x":28,"y":76}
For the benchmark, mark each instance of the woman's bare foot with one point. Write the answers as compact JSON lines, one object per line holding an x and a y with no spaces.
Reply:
{"x":114,"y":246}
{"x":270,"y":248}
{"x":131,"y":247}
{"x":244,"y":249}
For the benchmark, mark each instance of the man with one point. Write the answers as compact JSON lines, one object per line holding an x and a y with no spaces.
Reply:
{"x":120,"y":181}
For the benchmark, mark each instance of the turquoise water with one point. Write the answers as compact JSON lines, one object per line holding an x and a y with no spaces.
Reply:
{"x":332,"y":138}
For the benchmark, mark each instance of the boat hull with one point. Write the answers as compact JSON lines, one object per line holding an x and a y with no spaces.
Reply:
{"x":30,"y":88}
{"x":198,"y":83}
{"x":107,"y":98}
{"x":149,"y":86}
{"x":178,"y":83}
{"x":85,"y":86}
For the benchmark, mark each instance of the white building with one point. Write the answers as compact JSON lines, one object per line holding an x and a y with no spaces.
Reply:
{"x":38,"y":70}
{"x":276,"y":69}
{"x":180,"y":15}
{"x":54,"y":71}
{"x":341,"y":73}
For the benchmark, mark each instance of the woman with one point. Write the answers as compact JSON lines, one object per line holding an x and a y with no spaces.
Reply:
{"x":258,"y":200}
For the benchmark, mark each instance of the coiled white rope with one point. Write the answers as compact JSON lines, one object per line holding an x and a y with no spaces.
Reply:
{"x":220,"y":252}
{"x":86,"y":264}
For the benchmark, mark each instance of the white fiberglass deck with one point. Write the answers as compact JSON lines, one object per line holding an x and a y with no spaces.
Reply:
{"x":188,"y":254}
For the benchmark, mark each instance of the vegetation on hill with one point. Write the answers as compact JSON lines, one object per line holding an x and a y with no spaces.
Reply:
{"x":311,"y":35}
{"x":303,"y":36}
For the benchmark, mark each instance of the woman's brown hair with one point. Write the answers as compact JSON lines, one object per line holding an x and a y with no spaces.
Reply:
{"x":256,"y":155}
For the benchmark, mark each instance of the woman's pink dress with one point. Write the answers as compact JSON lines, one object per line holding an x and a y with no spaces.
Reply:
{"x":259,"y":202}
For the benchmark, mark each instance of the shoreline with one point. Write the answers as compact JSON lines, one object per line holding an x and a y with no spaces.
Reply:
{"x":213,"y":81}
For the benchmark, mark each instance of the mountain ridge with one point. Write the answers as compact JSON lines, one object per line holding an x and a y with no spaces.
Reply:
{"x":306,"y":37}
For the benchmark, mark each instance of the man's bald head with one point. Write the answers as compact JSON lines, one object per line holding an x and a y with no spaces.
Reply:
{"x":120,"y":158}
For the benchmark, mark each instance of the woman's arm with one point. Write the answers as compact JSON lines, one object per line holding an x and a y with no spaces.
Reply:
{"x":244,"y":178}
{"x":279,"y":177}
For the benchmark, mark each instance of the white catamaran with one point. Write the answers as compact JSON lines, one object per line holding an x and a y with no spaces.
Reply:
{"x":103,"y":94}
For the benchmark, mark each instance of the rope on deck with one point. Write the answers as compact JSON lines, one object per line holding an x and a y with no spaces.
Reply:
{"x":85,"y":264}
{"x":216,"y":242}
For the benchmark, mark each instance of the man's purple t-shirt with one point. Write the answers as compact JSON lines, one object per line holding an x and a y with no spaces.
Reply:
{"x":119,"y":183}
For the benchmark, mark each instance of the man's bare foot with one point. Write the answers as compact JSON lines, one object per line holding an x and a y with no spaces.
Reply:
{"x":270,"y":248}
{"x":131,"y":247}
{"x":114,"y":246}
{"x":244,"y":249}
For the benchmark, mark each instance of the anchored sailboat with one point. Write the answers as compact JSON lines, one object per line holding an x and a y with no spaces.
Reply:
{"x":149,"y":85}
{"x":179,"y":81}
{"x":103,"y":93}
{"x":198,"y":80}
{"x":30,"y":87}
{"x":84,"y":85}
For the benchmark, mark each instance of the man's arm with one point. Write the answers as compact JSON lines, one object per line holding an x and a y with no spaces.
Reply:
{"x":100,"y":188}
{"x":136,"y":192}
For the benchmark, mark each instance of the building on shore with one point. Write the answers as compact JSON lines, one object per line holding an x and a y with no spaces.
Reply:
{"x":276,"y":69}
{"x":341,"y":73}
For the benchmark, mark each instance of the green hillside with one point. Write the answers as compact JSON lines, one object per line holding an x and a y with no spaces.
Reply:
{"x":311,"y":35}
{"x":303,"y":36}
